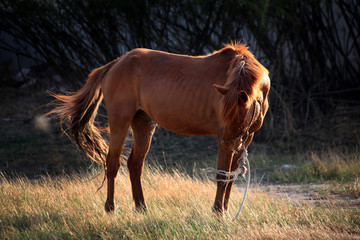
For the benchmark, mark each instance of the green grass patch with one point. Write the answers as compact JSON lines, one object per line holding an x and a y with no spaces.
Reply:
{"x":328,"y":166}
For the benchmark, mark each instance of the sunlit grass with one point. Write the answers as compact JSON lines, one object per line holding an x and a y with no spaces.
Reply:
{"x":343,"y":167}
{"x":179,"y":207}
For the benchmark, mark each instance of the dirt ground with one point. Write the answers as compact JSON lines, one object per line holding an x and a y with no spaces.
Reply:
{"x":319,"y":194}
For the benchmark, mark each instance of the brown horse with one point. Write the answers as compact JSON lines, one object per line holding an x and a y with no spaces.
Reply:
{"x":223,"y":94}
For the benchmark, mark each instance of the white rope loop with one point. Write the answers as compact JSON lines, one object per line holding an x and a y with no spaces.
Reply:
{"x":241,"y":170}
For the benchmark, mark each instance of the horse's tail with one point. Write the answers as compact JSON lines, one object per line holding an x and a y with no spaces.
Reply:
{"x":78,"y":110}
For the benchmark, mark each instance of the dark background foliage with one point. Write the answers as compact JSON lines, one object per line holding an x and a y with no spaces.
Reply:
{"x":311,"y":49}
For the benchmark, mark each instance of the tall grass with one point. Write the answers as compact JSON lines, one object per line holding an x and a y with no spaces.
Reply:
{"x":179,"y":207}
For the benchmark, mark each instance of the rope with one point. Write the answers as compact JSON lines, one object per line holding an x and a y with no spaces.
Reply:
{"x":246,"y":189}
{"x":234,"y":174}
{"x":243,"y":160}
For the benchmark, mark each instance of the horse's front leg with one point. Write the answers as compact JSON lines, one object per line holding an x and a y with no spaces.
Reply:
{"x":224,"y":163}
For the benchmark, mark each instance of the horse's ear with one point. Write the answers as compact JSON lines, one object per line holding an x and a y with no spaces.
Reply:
{"x":243,"y":97}
{"x":221,"y":89}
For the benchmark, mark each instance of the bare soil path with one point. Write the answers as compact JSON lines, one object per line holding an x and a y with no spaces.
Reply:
{"x":313,"y":193}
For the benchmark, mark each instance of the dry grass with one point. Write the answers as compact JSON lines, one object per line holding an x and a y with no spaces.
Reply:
{"x":178,"y":208}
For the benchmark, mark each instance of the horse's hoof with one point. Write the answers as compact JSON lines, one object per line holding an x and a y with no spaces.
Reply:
{"x":109,"y":207}
{"x":140,"y":209}
{"x":218,"y":211}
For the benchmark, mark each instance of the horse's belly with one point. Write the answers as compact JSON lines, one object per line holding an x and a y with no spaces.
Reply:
{"x":186,"y":129}
{"x":183,"y":122}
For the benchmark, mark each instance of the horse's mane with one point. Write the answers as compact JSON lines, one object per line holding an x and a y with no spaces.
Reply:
{"x":244,"y":74}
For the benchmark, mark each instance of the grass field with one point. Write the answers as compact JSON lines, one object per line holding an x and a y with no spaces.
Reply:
{"x":179,"y":207}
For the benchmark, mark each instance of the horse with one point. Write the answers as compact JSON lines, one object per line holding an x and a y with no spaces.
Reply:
{"x":224,"y":93}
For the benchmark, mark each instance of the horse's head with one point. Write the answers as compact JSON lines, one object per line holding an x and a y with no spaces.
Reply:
{"x":242,"y":113}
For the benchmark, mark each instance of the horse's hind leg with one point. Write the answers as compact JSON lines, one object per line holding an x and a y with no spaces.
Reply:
{"x":118,"y":130}
{"x":142,"y":129}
